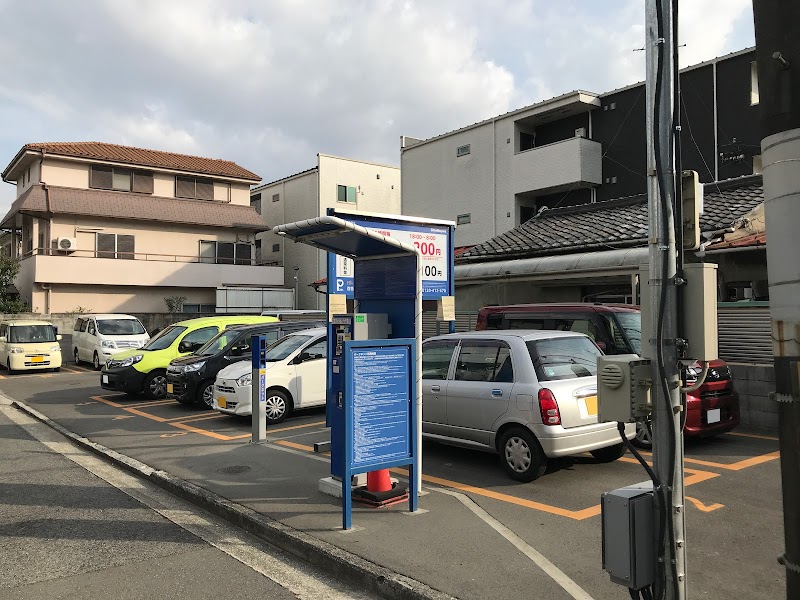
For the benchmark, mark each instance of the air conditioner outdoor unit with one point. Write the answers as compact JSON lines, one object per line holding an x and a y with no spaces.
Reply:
{"x":580,"y":132}
{"x":67,"y":244}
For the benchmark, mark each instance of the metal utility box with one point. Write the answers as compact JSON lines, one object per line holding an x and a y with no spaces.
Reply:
{"x":699,"y":316}
{"x":370,"y":326}
{"x":628,"y":528}
{"x":623,"y":388}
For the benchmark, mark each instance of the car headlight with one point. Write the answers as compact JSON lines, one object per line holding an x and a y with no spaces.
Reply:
{"x":16,"y":350}
{"x":55,"y":348}
{"x":108,"y":344}
{"x":125,"y":362}
{"x":191,"y":368}
{"x":245,"y":380}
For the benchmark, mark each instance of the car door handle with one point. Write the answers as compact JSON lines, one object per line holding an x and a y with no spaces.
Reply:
{"x":435,"y":388}
{"x":497,"y":393}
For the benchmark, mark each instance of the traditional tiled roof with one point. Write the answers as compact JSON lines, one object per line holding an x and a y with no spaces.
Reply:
{"x":621,"y":223}
{"x":129,"y":155}
{"x":136,"y":207}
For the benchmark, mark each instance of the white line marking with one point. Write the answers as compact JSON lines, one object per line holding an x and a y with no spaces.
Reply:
{"x":556,"y":574}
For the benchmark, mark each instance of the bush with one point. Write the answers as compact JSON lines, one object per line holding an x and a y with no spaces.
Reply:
{"x":174,"y":303}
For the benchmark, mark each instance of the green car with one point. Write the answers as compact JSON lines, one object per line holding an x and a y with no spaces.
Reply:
{"x":143,"y":370}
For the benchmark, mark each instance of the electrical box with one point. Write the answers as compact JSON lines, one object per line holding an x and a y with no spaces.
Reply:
{"x":623,"y":388}
{"x":692,"y":203}
{"x":699,"y":314}
{"x":628,"y":530}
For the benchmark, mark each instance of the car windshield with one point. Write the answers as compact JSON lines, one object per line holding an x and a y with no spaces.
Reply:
{"x":218,"y":343}
{"x":284,"y":347}
{"x":165,"y":338}
{"x":563,"y":358}
{"x":120,"y":327}
{"x":631,"y":323}
{"x":27,"y":334}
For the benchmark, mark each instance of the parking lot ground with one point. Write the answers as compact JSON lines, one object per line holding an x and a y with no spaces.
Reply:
{"x":475,"y":539}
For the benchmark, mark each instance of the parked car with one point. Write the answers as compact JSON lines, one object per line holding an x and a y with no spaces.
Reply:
{"x":527,"y":395}
{"x":190,"y":379}
{"x":95,"y":338}
{"x":295,"y":378}
{"x":29,"y":345}
{"x":617,"y":329}
{"x":144,"y":370}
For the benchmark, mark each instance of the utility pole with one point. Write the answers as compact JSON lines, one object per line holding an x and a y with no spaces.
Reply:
{"x":778,"y":62}
{"x":661,"y":46}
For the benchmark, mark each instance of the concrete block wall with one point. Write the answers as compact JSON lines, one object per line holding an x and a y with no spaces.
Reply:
{"x":755,"y":383}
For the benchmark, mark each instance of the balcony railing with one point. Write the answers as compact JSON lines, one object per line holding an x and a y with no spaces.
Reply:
{"x":149,"y":256}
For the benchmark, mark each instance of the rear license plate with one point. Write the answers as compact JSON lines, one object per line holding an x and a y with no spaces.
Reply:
{"x":222,"y":402}
{"x":169,"y":388}
{"x":591,"y":405}
{"x":37,"y":359}
{"x":713,"y":416}
{"x":104,"y":379}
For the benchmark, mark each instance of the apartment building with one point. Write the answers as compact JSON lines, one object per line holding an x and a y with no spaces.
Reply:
{"x":333,"y":183}
{"x":113,"y":228}
{"x":578,"y":148}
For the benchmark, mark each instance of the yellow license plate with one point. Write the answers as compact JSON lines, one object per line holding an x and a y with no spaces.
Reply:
{"x":37,"y":359}
{"x":591,"y":405}
{"x":169,"y":388}
{"x":222,"y":402}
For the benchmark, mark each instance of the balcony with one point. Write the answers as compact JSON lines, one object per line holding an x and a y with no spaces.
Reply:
{"x":144,"y":270}
{"x":569,"y":164}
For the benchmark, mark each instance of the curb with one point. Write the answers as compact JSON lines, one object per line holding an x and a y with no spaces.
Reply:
{"x":341,"y":564}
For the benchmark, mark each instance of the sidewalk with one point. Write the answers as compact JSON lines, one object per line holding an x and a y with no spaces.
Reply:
{"x":449,"y":548}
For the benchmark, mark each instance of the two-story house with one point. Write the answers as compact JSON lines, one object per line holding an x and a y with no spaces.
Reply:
{"x":333,"y":183}
{"x":113,"y":228}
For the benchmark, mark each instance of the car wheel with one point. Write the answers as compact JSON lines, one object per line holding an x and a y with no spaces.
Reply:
{"x":77,"y":357}
{"x":56,"y":369}
{"x":610,"y":453}
{"x":521,"y":455}
{"x":8,"y":366}
{"x":205,"y":394}
{"x":644,"y":435}
{"x":278,"y":406}
{"x":96,"y":361}
{"x":155,"y":385}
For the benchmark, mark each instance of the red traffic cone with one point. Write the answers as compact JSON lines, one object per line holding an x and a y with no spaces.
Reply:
{"x":379,"y":481}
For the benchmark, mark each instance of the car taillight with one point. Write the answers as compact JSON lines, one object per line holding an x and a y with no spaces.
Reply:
{"x":549,"y":408}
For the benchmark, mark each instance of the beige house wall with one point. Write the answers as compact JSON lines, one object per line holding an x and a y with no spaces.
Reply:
{"x":67,"y":298}
{"x":35,"y":177}
{"x":65,"y":173}
{"x":163,"y":185}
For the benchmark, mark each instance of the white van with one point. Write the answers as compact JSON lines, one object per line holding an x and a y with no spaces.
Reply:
{"x":29,"y":345}
{"x":294,"y":315}
{"x":95,"y":338}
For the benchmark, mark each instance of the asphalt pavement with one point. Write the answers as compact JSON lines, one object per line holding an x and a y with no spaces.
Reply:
{"x":478,"y":533}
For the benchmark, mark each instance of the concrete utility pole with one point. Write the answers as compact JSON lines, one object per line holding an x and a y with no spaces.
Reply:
{"x":778,"y":61}
{"x":661,"y":44}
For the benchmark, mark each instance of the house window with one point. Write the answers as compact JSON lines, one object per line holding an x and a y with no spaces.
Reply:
{"x":753,"y":83}
{"x":115,"y":245}
{"x":464,"y":219}
{"x":276,"y":247}
{"x":226,"y":253}
{"x":345,"y":193}
{"x":122,"y":180}
{"x":199,"y":308}
{"x":194,"y":187}
{"x":463,"y":150}
{"x":276,"y":197}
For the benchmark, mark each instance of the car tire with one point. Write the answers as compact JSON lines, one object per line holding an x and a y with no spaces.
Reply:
{"x":96,"y":361}
{"x":609,"y":453}
{"x":278,"y":406}
{"x":56,"y":369}
{"x":521,"y":455}
{"x":77,"y":357}
{"x":644,"y":435}
{"x":205,"y":394}
{"x":155,"y":385}
{"x":8,"y":366}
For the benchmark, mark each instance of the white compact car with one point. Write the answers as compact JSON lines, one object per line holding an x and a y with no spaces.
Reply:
{"x":295,"y":377}
{"x":95,"y":338}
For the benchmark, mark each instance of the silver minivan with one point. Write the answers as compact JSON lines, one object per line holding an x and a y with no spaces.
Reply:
{"x":527,"y":395}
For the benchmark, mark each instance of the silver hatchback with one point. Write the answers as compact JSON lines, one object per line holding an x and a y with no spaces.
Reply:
{"x":527,"y":395}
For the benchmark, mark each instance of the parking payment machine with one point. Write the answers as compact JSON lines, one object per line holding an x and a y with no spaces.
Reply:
{"x":380,"y":269}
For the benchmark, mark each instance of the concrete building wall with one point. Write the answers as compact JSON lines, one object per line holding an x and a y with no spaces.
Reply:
{"x":117,"y":299}
{"x":65,"y":173}
{"x":32,"y":177}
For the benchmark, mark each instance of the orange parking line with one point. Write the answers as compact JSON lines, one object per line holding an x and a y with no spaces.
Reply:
{"x":211,"y":434}
{"x":737,"y":466}
{"x":192,"y":419}
{"x":753,"y":435}
{"x":306,"y":425}
{"x":703,"y":507}
{"x":146,"y":404}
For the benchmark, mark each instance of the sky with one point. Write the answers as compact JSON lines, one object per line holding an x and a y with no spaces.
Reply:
{"x":271,"y":83}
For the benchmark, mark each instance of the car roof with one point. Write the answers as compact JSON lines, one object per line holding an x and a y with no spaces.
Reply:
{"x":569,"y":306}
{"x":226,"y":319}
{"x":314,"y":331}
{"x":504,"y":334}
{"x":105,"y":316}
{"x":26,"y":322}
{"x":270,"y":325}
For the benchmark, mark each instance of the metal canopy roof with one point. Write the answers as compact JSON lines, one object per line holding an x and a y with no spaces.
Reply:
{"x":344,"y":237}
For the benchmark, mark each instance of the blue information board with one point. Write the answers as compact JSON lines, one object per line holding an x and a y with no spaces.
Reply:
{"x":380,"y":411}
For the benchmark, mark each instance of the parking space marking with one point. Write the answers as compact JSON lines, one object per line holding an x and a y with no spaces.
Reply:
{"x":172,"y":435}
{"x":211,"y":434}
{"x":753,"y":435}
{"x":193,"y":418}
{"x":737,"y":466}
{"x":120,"y":417}
{"x":703,"y":507}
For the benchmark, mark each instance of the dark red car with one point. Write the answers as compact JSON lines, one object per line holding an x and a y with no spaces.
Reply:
{"x":617,"y":329}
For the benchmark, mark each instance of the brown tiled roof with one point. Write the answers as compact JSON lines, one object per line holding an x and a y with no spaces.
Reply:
{"x":145,"y":158}
{"x":137,"y":207}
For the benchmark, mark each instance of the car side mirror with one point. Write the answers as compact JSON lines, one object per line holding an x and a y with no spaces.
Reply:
{"x":240,"y":350}
{"x":185,"y":347}
{"x":58,"y":337}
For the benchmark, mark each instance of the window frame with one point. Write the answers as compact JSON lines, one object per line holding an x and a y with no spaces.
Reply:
{"x":117,"y":253}
{"x":440,"y":343}
{"x":464,"y":150}
{"x":485,"y":343}
{"x":348,"y":191}
{"x":217,"y":260}
{"x":195,"y":180}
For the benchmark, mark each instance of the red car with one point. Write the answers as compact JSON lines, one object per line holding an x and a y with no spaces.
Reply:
{"x":617,"y":329}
